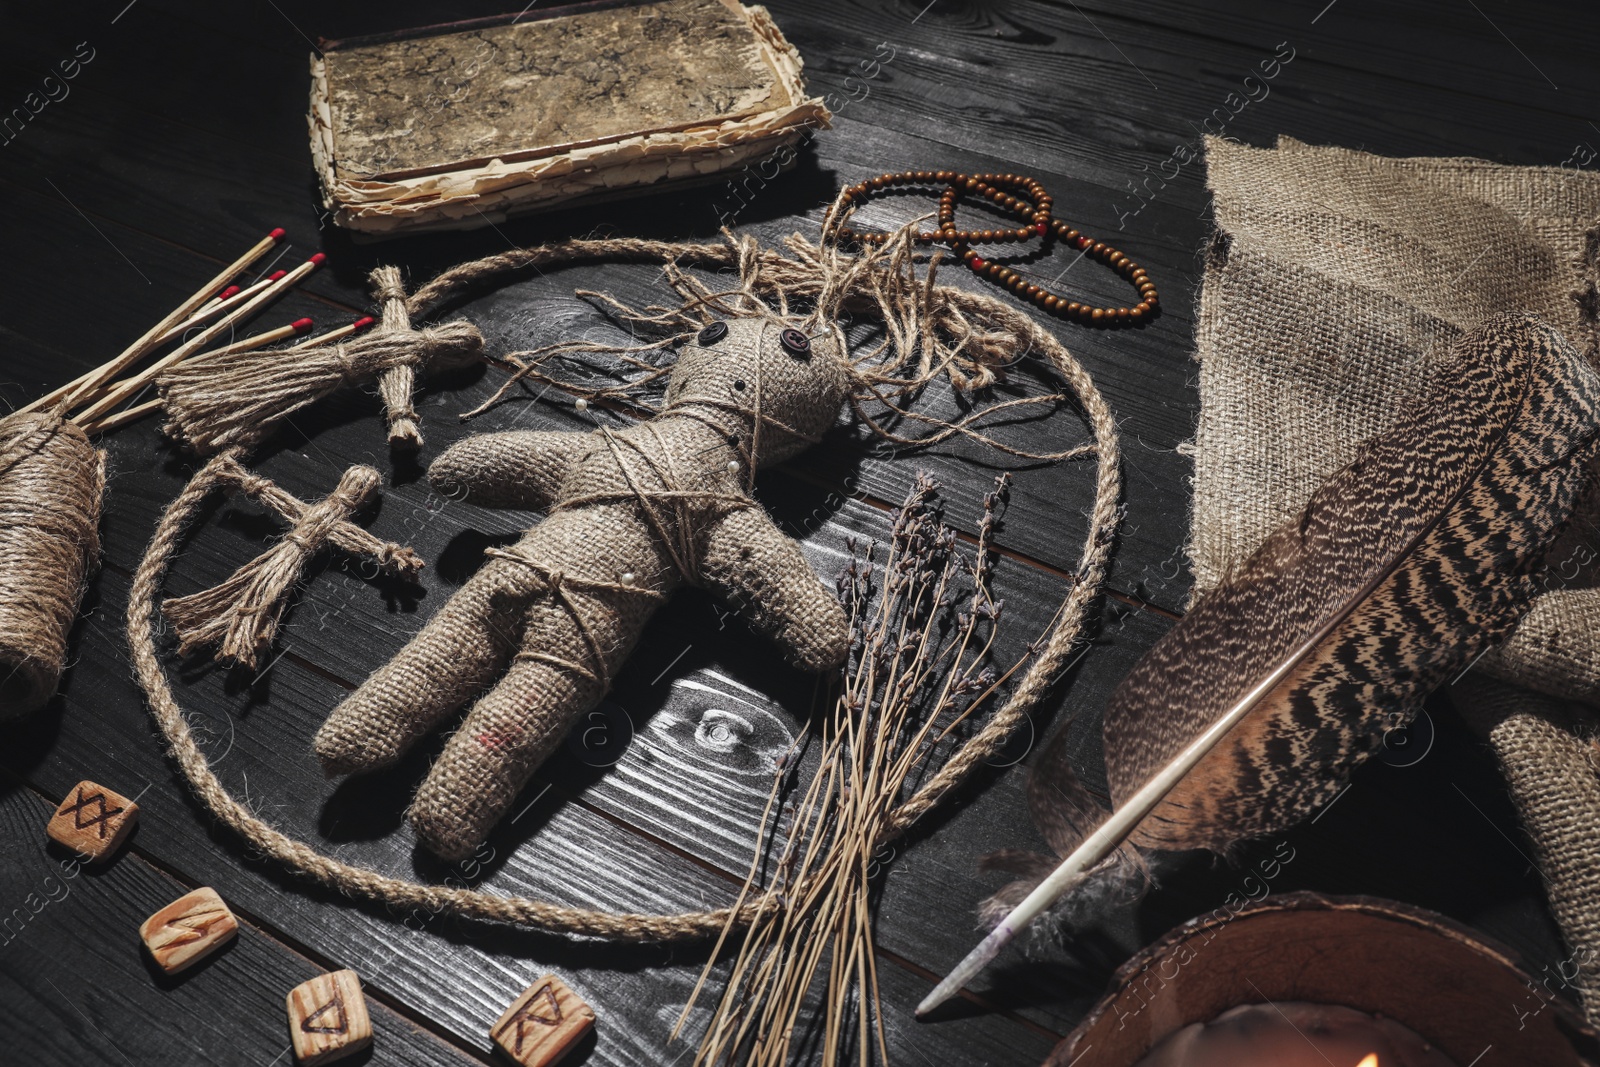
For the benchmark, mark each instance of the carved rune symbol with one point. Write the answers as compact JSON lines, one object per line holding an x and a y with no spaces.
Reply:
{"x":193,"y":927}
{"x":541,"y":1008}
{"x":336,"y":1005}
{"x":78,"y":810}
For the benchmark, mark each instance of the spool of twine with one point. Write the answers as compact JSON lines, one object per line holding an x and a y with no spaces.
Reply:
{"x":51,"y":481}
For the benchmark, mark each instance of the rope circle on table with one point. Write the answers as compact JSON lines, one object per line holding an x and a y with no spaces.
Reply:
{"x":1067,"y":628}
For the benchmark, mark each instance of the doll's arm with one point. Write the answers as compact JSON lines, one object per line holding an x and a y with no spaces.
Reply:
{"x":760,"y":572}
{"x":516,"y":469}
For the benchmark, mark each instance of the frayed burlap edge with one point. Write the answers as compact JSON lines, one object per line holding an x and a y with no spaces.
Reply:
{"x":1273,"y":273}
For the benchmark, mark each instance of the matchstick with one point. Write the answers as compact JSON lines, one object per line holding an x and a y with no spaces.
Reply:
{"x":188,"y":348}
{"x":124,"y":390}
{"x":134,"y":352}
{"x":215,"y":307}
{"x":206,"y":313}
{"x":260,"y":340}
{"x":134,"y":414}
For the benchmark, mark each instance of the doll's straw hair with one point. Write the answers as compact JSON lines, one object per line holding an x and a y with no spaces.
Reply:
{"x":969,"y":332}
{"x":926,"y":331}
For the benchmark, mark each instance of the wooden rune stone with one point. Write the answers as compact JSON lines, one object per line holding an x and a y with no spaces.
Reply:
{"x":328,"y":1018}
{"x":93,"y":821}
{"x":188,"y":930}
{"x":543,"y":1024}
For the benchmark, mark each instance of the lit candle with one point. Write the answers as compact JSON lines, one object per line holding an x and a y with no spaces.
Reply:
{"x":1292,"y":1034}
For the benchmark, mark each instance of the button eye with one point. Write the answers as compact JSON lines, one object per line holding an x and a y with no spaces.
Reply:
{"x":712,"y":334}
{"x":795,"y":343}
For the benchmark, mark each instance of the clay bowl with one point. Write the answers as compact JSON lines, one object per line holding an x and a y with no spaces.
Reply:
{"x":1457,"y":989}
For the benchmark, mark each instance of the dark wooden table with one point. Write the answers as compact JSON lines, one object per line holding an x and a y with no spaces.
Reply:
{"x":182,"y":138}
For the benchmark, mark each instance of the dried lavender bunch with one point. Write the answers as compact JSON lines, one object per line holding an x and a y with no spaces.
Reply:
{"x":923,"y":628}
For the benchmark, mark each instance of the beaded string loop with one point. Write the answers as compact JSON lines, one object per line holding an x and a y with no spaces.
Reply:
{"x":1033,"y":207}
{"x":1026,"y":199}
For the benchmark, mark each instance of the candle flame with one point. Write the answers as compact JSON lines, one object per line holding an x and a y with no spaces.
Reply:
{"x":1370,"y":1061}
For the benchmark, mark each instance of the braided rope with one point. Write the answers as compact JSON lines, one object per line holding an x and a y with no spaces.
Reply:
{"x":1065,"y":633}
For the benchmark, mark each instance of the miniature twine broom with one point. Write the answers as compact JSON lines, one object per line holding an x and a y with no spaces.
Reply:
{"x":930,"y":330}
{"x":235,"y":402}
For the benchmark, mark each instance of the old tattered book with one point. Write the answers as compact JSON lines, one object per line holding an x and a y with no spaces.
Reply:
{"x":459,"y":126}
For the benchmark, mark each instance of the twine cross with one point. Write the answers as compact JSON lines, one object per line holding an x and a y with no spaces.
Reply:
{"x":397,"y":383}
{"x":241,"y":614}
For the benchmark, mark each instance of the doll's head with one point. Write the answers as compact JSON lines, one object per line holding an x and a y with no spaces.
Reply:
{"x":737,"y":370}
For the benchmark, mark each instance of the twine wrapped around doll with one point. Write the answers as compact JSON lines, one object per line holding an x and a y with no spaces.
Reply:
{"x":241,"y":614}
{"x":236,"y":400}
{"x":51,"y":482}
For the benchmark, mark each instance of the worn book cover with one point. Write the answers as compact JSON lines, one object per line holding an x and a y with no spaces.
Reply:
{"x":460,"y":126}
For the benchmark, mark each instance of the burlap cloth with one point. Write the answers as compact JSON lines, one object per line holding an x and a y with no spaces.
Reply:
{"x":1336,"y":279}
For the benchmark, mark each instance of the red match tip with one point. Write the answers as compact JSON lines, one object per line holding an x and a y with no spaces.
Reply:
{"x":362,"y":323}
{"x":977,"y":263}
{"x":300,"y":325}
{"x":279,"y":234}
{"x":318,"y":258}
{"x":230,"y":291}
{"x":275,"y":275}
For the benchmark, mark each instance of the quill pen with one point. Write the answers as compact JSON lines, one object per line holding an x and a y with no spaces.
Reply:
{"x":1404,"y":566}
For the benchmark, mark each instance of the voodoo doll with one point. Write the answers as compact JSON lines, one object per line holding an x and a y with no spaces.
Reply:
{"x":631,"y":515}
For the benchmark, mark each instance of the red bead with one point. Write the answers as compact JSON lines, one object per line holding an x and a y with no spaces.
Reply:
{"x":1040,"y":228}
{"x":977,"y":263}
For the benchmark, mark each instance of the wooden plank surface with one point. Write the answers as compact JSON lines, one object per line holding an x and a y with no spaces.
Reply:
{"x":80,"y":989}
{"x":183,"y":139}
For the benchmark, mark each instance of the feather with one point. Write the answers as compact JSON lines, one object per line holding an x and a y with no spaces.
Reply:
{"x":1427,"y":541}
{"x":1251,"y":712}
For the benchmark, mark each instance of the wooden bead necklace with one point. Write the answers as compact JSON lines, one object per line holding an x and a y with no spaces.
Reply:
{"x":1025,"y":199}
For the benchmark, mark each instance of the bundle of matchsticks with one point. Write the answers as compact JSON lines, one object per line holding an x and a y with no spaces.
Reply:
{"x":112,"y":395}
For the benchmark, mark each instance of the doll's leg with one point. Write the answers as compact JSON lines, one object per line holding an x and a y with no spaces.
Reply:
{"x":455,"y":655}
{"x":762,"y":574}
{"x":507,"y":735}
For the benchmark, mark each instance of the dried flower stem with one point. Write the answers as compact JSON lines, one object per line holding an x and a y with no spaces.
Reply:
{"x":920,"y":667}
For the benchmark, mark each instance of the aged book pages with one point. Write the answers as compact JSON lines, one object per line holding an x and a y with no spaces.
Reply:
{"x":462,"y":126}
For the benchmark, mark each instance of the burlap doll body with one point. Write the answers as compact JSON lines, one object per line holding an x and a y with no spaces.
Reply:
{"x":633,"y":514}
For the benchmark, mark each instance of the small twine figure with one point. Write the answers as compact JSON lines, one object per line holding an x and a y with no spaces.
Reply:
{"x":632,"y":514}
{"x":236,"y":401}
{"x":241,"y":614}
